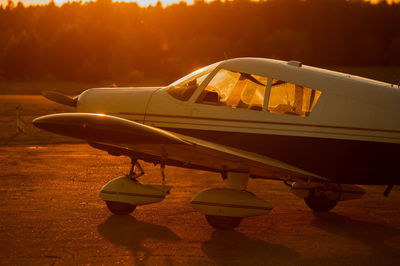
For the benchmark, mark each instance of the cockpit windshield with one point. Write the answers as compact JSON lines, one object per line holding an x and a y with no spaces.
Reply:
{"x":184,"y":88}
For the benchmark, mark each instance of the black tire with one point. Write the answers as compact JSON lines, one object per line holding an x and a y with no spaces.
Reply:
{"x":223,"y":222}
{"x":120,"y":208}
{"x":319,"y":204}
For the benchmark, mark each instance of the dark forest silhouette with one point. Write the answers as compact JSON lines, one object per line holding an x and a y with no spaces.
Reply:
{"x":102,"y":40}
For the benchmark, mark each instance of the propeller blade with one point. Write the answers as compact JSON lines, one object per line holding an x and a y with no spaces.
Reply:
{"x":60,"y":98}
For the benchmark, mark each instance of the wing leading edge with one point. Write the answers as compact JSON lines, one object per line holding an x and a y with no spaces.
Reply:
{"x":122,"y":136}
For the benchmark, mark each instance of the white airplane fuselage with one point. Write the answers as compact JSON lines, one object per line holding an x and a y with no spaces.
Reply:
{"x":351,"y":136}
{"x":321,"y":132}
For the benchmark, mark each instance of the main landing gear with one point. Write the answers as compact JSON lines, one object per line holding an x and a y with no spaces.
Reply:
{"x":120,"y":208}
{"x":319,"y":203}
{"x":224,"y":208}
{"x":323,"y":197}
{"x":123,"y":194}
{"x":223,"y":222}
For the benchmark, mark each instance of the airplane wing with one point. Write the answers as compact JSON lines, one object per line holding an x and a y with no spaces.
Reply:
{"x":120,"y":136}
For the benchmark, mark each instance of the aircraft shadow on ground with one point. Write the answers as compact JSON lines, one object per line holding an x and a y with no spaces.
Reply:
{"x":372,"y":235}
{"x":234,"y":248}
{"x":131,"y":233}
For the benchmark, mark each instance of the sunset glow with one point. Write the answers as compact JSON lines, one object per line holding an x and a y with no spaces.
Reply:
{"x":122,"y":43}
{"x":143,"y":3}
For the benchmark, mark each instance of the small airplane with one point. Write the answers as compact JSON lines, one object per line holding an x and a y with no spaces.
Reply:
{"x":320,"y":132}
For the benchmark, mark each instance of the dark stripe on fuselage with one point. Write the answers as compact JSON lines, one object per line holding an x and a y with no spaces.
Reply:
{"x":236,"y":127}
{"x":344,"y":161}
{"x":148,"y":117}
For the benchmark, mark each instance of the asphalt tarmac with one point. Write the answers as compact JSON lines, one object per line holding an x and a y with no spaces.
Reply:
{"x":51,"y":214}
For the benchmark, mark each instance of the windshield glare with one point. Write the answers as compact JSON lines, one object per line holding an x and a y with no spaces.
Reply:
{"x":194,"y":75}
{"x":184,"y":88}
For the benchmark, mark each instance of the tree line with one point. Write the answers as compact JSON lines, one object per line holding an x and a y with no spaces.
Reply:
{"x":123,"y":42}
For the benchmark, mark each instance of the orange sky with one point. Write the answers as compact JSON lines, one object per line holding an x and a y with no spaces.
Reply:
{"x":141,"y":2}
{"x":60,"y":2}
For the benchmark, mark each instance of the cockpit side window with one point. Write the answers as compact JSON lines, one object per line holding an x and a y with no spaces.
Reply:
{"x":235,"y":90}
{"x":184,"y":88}
{"x":289,"y":98}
